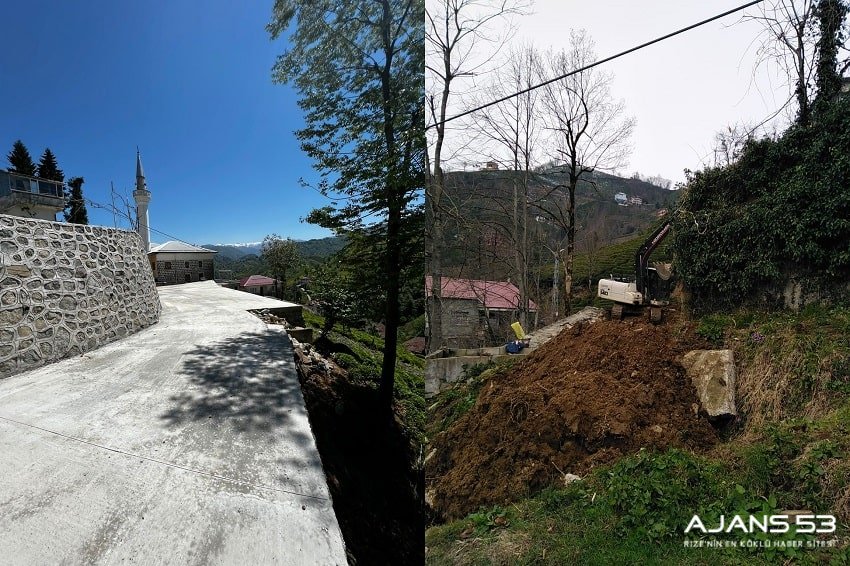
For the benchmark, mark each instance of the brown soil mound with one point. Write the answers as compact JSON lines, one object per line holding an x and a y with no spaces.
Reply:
{"x":579,"y":401}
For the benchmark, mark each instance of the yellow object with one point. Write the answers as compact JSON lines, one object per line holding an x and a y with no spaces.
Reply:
{"x":520,"y":333}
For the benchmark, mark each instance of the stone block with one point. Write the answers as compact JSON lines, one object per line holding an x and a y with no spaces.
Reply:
{"x":18,"y":270}
{"x":712,"y":373}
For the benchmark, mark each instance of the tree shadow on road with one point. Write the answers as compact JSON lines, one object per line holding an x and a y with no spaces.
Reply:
{"x":247,"y":381}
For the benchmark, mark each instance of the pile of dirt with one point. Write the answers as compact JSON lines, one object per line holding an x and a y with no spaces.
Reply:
{"x":585,"y":398}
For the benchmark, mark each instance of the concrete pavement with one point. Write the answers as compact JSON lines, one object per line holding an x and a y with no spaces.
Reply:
{"x":187,"y":443}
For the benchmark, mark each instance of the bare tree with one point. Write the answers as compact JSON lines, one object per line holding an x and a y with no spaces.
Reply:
{"x":455,"y":33}
{"x":589,"y":132}
{"x":788,"y":40}
{"x":514,"y":127}
{"x":730,"y":142}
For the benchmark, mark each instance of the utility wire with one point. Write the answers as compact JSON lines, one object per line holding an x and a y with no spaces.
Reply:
{"x":116,"y":210}
{"x":596,"y":63}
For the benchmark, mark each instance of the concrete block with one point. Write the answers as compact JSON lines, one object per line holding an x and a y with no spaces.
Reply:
{"x":301,"y":334}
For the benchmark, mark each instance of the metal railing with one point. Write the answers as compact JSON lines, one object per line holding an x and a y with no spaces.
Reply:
{"x":17,"y":183}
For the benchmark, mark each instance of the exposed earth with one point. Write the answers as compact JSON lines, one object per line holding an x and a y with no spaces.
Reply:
{"x":376,"y":487}
{"x":590,"y":395}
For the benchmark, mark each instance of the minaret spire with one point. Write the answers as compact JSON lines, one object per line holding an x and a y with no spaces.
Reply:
{"x":140,"y":172}
{"x":143,"y":197}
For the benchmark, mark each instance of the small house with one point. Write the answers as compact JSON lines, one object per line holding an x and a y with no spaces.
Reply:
{"x":259,"y":285}
{"x":621,"y":199}
{"x":476,"y":313}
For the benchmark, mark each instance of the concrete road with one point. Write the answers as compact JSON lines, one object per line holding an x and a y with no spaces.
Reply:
{"x":187,"y":443}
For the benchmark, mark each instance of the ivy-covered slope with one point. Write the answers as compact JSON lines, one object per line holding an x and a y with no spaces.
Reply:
{"x":782,"y":210}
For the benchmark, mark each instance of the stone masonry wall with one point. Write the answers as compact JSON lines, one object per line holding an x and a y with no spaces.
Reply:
{"x":67,"y":289}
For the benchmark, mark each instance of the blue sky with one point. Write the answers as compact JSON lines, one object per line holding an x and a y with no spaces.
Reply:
{"x":189,"y":83}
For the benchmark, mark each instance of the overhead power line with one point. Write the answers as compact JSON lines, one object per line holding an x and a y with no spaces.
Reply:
{"x":116,"y":210}
{"x":599,"y":62}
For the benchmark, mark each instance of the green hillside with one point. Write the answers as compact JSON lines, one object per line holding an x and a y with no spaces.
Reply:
{"x":479,"y":231}
{"x":243,"y":261}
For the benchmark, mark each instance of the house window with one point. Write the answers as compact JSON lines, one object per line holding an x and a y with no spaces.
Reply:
{"x":187,"y":265}
{"x":200,"y":263}
{"x":167,"y":265}
{"x":201,"y":277}
{"x":188,"y":277}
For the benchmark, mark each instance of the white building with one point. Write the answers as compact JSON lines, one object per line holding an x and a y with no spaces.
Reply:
{"x":621,"y":199}
{"x":179,"y":262}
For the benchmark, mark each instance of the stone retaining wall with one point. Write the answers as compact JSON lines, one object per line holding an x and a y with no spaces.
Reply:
{"x":67,"y":289}
{"x":442,"y":372}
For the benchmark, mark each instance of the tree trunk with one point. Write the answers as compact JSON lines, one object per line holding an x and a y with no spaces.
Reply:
{"x":392,"y":307}
{"x":518,"y":255}
{"x":394,"y":215}
{"x":571,"y":239}
{"x":434,"y":302}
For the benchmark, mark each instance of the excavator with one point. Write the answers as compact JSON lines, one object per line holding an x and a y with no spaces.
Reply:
{"x":651,"y":287}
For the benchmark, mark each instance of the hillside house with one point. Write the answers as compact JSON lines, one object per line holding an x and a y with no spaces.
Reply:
{"x":476,"y":313}
{"x":259,"y":285}
{"x":621,"y":199}
{"x":179,"y":262}
{"x":30,"y":197}
{"x":637,"y":201}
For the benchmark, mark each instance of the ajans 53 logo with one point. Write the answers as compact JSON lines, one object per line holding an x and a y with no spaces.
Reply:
{"x":775,"y":524}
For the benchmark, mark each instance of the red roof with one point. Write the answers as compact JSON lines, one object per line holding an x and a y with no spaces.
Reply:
{"x":256,"y":281}
{"x":491,"y":294}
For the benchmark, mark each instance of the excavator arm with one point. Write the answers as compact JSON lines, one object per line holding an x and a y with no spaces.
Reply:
{"x":643,"y":253}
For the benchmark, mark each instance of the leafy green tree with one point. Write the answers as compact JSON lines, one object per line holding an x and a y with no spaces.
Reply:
{"x":75,"y":209}
{"x":331,"y":289}
{"x":20,"y":160}
{"x":359,"y":68}
{"x":280,"y":255}
{"x":48,"y":168}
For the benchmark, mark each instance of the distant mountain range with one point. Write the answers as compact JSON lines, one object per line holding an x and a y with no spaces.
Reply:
{"x":318,"y":248}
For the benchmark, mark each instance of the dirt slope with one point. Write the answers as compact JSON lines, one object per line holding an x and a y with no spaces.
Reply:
{"x":578,"y":401}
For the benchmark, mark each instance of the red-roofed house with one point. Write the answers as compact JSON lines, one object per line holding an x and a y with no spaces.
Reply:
{"x":258,"y":284}
{"x":476,"y":313}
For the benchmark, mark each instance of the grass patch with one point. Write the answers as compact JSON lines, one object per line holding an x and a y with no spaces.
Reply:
{"x":793,"y":365}
{"x":713,"y":327}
